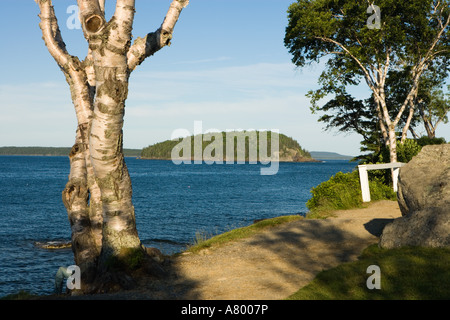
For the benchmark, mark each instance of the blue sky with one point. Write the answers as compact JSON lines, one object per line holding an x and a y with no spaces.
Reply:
{"x":227,"y":67}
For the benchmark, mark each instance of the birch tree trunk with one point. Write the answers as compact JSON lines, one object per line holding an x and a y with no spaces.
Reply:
{"x":98,"y":194}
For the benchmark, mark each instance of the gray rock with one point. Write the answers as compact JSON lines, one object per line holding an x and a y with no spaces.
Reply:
{"x":424,"y":181}
{"x":424,"y":200}
{"x":155,"y":254}
{"x":428,"y":227}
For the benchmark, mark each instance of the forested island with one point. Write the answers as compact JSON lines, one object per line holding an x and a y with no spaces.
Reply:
{"x":244,"y":143}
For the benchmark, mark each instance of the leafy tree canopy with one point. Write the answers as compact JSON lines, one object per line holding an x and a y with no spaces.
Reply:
{"x":410,"y":44}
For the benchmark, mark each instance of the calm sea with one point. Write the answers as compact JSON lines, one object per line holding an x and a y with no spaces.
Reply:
{"x":172,"y":203}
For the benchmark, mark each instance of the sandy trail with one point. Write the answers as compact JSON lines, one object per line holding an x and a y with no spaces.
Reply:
{"x":272,"y":264}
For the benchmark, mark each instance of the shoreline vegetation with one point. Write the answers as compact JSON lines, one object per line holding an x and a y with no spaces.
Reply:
{"x":51,"y":151}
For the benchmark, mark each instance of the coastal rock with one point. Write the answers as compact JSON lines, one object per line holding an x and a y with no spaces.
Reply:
{"x":53,"y":245}
{"x":428,"y":227}
{"x":155,"y":254}
{"x":424,"y":181}
{"x":424,"y":200}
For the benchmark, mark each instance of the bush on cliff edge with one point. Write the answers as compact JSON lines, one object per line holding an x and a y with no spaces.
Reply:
{"x":343,"y":191}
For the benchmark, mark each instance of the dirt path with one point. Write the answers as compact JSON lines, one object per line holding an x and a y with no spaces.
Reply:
{"x":272,"y":264}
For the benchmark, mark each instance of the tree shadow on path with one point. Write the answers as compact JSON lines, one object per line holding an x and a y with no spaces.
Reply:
{"x":272,"y":264}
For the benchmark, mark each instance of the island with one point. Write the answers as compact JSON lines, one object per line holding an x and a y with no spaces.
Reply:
{"x":246,"y":145}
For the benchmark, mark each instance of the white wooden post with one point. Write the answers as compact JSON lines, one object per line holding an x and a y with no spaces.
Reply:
{"x":364,"y":177}
{"x":395,"y":178}
{"x":364,"y":181}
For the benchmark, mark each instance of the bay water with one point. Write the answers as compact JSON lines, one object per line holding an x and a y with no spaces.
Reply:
{"x":173,"y":203}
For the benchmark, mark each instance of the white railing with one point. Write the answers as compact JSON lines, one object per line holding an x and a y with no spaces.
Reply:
{"x":364,"y":177}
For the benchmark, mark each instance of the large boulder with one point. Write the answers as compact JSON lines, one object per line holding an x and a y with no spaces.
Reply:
{"x":425,"y":181}
{"x":424,"y":200}
{"x":425,"y":228}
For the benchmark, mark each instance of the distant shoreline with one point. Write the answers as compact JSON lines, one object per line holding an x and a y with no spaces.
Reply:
{"x":325,"y":155}
{"x":52,"y":151}
{"x":64,"y":152}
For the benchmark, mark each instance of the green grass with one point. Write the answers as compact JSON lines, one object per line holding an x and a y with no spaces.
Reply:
{"x":412,"y":273}
{"x":21,"y":295}
{"x":202,"y":242}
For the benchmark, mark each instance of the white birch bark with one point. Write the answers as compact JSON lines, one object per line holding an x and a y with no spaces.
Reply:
{"x":85,"y":240}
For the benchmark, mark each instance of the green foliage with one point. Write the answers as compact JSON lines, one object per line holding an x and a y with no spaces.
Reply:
{"x":407,"y":150}
{"x":343,"y":191}
{"x":425,"y":140}
{"x":433,"y":103}
{"x":338,"y":31}
{"x":410,"y":273}
{"x":161,"y":150}
{"x":315,"y":27}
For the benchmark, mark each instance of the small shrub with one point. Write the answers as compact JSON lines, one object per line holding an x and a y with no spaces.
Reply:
{"x":343,"y":191}
{"x":339,"y":192}
{"x":423,"y":141}
{"x":407,"y":150}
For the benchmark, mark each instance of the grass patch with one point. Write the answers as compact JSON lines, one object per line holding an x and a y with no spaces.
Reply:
{"x":411,"y":273}
{"x":202,"y":242}
{"x":21,"y":295}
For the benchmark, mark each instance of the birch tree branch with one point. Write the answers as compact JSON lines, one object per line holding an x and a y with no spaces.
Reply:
{"x":121,"y":26}
{"x":91,"y":16}
{"x":369,"y":79}
{"x":102,"y":6}
{"x":155,"y":41}
{"x":52,"y":35}
{"x":125,"y":10}
{"x":408,"y":121}
{"x":172,"y":15}
{"x":419,"y":69}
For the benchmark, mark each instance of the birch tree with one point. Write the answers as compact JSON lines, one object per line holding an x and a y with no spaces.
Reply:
{"x":364,"y":42}
{"x":433,"y":107}
{"x":98,"y":194}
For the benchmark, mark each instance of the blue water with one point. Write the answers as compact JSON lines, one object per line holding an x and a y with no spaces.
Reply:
{"x":172,"y":203}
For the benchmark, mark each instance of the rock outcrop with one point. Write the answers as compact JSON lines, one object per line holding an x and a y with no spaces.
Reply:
{"x":53,"y":245}
{"x":424,"y":200}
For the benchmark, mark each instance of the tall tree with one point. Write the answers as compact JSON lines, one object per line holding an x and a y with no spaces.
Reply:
{"x":430,"y":106}
{"x":408,"y":36}
{"x":98,"y":193}
{"x":433,"y":106}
